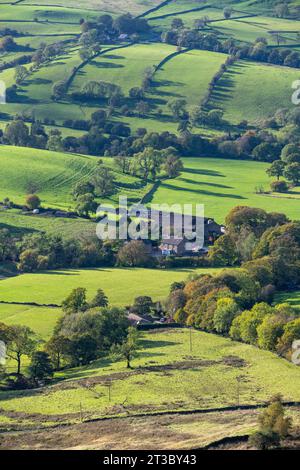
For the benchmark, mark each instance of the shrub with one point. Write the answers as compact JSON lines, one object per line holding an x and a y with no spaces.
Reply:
{"x":279,"y":186}
{"x":33,"y":201}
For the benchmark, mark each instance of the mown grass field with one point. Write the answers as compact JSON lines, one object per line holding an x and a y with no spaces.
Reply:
{"x":121,"y":285}
{"x":53,"y":176}
{"x":166,"y":376}
{"x":222,"y":184}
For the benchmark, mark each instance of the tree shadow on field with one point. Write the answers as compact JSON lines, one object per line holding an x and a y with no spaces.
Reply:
{"x":39,"y":81}
{"x":202,"y":192}
{"x":72,"y":272}
{"x":51,"y":64}
{"x":114,"y":57}
{"x":147,"y":344}
{"x":205,"y":183}
{"x":106,"y":65}
{"x":159,"y":88}
{"x":195,"y":171}
{"x":22,"y":98}
{"x":17,"y":230}
{"x":224,"y":89}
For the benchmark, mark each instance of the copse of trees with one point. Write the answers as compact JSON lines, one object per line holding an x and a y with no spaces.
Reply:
{"x":36,"y":252}
{"x":87,"y":330}
{"x":238,"y":303}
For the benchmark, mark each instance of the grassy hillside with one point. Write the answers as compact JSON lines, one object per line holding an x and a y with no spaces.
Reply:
{"x":53,"y":176}
{"x":111,"y":6}
{"x":40,"y":319}
{"x":171,"y":83}
{"x":166,"y":376}
{"x":254,"y":91}
{"x":120,"y":285}
{"x":124,"y":67}
{"x":20,"y":224}
{"x":222,"y":184}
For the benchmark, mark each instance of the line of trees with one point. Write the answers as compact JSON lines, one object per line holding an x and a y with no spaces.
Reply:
{"x":238,"y":303}
{"x":205,"y":40}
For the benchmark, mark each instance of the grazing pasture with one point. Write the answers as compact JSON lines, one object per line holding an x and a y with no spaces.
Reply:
{"x":166,"y":376}
{"x":124,"y":67}
{"x":20,"y":224}
{"x":121,"y":285}
{"x":40,"y":319}
{"x":222,"y":184}
{"x":53,"y":176}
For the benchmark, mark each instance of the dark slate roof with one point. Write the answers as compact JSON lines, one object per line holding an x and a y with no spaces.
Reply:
{"x":172,"y":241}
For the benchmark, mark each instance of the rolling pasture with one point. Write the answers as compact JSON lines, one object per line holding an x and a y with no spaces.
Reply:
{"x":103,"y":6}
{"x":165,"y":376}
{"x":20,"y":224}
{"x":254,"y":91}
{"x":171,"y":83}
{"x":40,"y":319}
{"x":53,"y":176}
{"x":121,"y":285}
{"x":222,"y":184}
{"x":292,"y":298}
{"x":124,"y":67}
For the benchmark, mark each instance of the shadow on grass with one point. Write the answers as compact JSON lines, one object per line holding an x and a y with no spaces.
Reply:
{"x":202,"y":192}
{"x":204,"y":183}
{"x":106,"y":65}
{"x":195,"y":171}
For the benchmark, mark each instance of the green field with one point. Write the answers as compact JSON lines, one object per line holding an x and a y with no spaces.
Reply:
{"x":53,"y":176}
{"x":121,"y":285}
{"x":166,"y":376}
{"x":101,"y":6}
{"x":40,"y":319}
{"x":222,"y":184}
{"x":124,"y":67}
{"x":20,"y":224}
{"x":254,"y":91}
{"x":293,"y":298}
